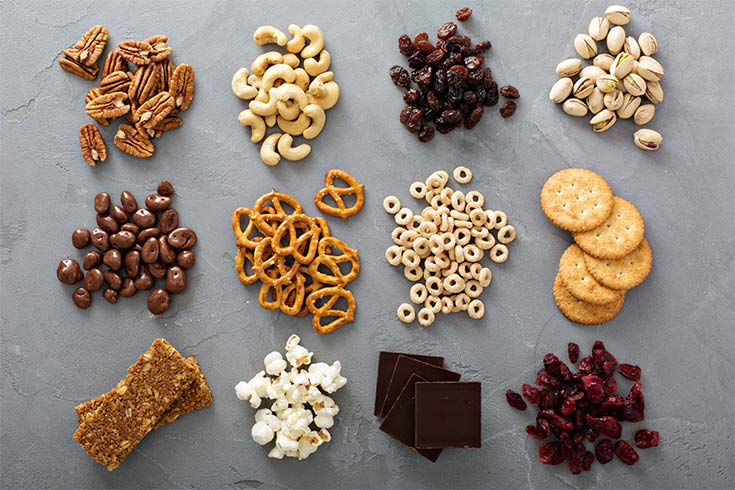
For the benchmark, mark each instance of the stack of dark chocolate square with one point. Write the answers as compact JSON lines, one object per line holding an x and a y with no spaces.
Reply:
{"x":425,"y":406}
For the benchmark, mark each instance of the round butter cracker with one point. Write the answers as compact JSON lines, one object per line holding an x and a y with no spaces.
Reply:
{"x":618,"y":236}
{"x":624,"y":273}
{"x":581,"y":312}
{"x":580,"y":283}
{"x":576,"y":199}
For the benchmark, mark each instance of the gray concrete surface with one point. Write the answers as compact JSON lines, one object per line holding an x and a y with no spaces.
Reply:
{"x":679,"y":325}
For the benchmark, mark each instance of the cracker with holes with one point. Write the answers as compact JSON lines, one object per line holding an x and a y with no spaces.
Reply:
{"x":576,"y":199}
{"x":580,"y":283}
{"x":619,"y":235}
{"x":624,"y":273}
{"x":580,"y":312}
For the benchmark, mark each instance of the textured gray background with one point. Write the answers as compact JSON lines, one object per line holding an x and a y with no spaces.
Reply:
{"x":679,"y":325}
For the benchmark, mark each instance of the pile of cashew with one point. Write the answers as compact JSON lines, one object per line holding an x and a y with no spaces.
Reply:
{"x":283,"y":93}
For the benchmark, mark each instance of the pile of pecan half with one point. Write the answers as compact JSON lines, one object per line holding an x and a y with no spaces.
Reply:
{"x":150,"y":97}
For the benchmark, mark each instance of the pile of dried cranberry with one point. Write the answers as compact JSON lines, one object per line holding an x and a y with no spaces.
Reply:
{"x":573,"y":407}
{"x":453,"y":85}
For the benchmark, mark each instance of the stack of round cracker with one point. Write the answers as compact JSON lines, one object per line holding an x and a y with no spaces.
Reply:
{"x":610,"y":255}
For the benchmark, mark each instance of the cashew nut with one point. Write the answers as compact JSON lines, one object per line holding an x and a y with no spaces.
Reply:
{"x":316,"y":41}
{"x":291,"y":60}
{"x":289,"y":91}
{"x":263,"y":61}
{"x":270,"y":120}
{"x":317,"y":86}
{"x":268,"y":150}
{"x":264,"y":108}
{"x":297,"y":127}
{"x":256,"y":123}
{"x":288,"y":109}
{"x":262,"y":96}
{"x":318,"y":118}
{"x":255,"y":81}
{"x":302,"y":79}
{"x":324,"y":91}
{"x":298,"y":42}
{"x":314,"y":67}
{"x":240,"y":85}
{"x":269,"y":35}
{"x":276,"y":72}
{"x":292,"y":153}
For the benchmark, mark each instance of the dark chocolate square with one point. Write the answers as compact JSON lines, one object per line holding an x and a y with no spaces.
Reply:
{"x":386,"y":363}
{"x":407,"y":366}
{"x":448,"y":415}
{"x":400,"y":422}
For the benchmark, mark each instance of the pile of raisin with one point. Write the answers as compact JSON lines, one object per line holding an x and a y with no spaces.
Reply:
{"x":573,"y":407}
{"x":452,"y":85}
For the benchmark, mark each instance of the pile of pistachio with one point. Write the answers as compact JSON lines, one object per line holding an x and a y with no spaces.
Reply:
{"x":614,"y":85}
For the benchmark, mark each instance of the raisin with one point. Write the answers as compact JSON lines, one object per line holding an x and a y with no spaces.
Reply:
{"x":472,"y":63}
{"x":471,"y":120}
{"x":508,"y":109}
{"x":446,"y":30}
{"x":492,"y":95}
{"x":515,"y":400}
{"x":415,"y":121}
{"x":412,"y":96}
{"x":404,"y":45}
{"x":399,"y":76}
{"x":421,"y":43}
{"x":435,"y":56}
{"x":470,"y":98}
{"x":445,"y":128}
{"x":422,"y":76}
{"x":630,"y":371}
{"x":433,"y":101}
{"x":604,"y":451}
{"x":417,"y":60}
{"x":452,"y":116}
{"x":509,"y":92}
{"x":440,"y":81}
{"x":626,"y":453}
{"x":463,"y":14}
{"x":645,"y":438}
{"x":573,"y":351}
{"x":460,"y":71}
{"x":426,"y":133}
{"x":405,"y":113}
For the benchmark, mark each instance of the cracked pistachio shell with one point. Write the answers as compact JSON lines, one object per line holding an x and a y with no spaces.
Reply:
{"x":630,"y":105}
{"x":615,"y":40}
{"x":603,"y":61}
{"x":654,"y":92}
{"x":561,"y":90}
{"x":622,"y":66}
{"x":607,"y":83}
{"x":583,"y":88}
{"x":650,"y":69}
{"x":575,"y":107}
{"x":631,"y":47}
{"x":596,"y":101}
{"x":569,"y":67}
{"x":598,"y":28}
{"x":585,"y":46}
{"x":634,"y":84}
{"x":644,"y":114}
{"x":648,"y":139}
{"x":591,"y":71}
{"x":603,"y":120}
{"x":614,"y":100}
{"x":648,"y":44}
{"x":618,"y":15}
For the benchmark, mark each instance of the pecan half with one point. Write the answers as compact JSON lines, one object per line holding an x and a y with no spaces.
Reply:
{"x":168,"y":123}
{"x":129,"y":140}
{"x":136,"y":52}
{"x":165,"y":73}
{"x":92,"y":144}
{"x":90,"y":47}
{"x":109,"y":105}
{"x":160,"y":50}
{"x":155,"y":109}
{"x":86,"y":72}
{"x":181,"y":86}
{"x":144,"y":84}
{"x":117,"y":81}
{"x":114,"y":62}
{"x":92,"y":94}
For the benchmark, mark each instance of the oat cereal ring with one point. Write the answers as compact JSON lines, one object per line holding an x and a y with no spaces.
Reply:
{"x":478,"y":217}
{"x":473,"y":253}
{"x":336,"y":193}
{"x":434,"y":303}
{"x":426,"y":317}
{"x":506,"y":234}
{"x":500,"y":220}
{"x":499,"y":253}
{"x":475,"y":270}
{"x":462,"y":236}
{"x":485,"y":277}
{"x":418,"y":190}
{"x":443,"y":176}
{"x":434,"y":286}
{"x":391,"y":204}
{"x":472,"y":288}
{"x":448,"y":271}
{"x":479,"y":232}
{"x":396,"y":234}
{"x":459,"y":254}
{"x":421,"y":247}
{"x":459,"y":201}
{"x":459,"y":215}
{"x":404,"y":216}
{"x":406,"y":313}
{"x":447,"y":305}
{"x":442,"y":260}
{"x":308,"y":239}
{"x":462,"y":175}
{"x":407,"y":238}
{"x":436,"y":245}
{"x":464,"y":270}
{"x":475,"y":199}
{"x":449,"y":241}
{"x":270,"y":267}
{"x":393,"y":254}
{"x":430,"y":264}
{"x":476,"y":309}
{"x":413,"y":273}
{"x":419,"y":293}
{"x":453,"y":283}
{"x":436,"y":201}
{"x":328,"y":310}
{"x":410,"y":258}
{"x":326,"y":258}
{"x":485,"y":243}
{"x":415,"y":222}
{"x":461,"y":302}
{"x":245,"y":257}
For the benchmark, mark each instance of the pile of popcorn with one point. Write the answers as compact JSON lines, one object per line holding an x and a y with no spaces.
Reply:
{"x":298,"y":401}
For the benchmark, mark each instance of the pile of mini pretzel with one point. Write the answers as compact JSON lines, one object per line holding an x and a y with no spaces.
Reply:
{"x":301,"y":267}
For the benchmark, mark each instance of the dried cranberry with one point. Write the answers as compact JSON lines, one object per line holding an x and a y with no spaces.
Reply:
{"x":594,"y":388}
{"x":399,"y":76}
{"x":556,"y":420}
{"x":551,"y":399}
{"x":626,"y":453}
{"x":446,"y":30}
{"x":550,"y":453}
{"x":598,"y":345}
{"x":634,"y":407}
{"x":568,"y":407}
{"x":645,"y":438}
{"x":605,"y":426}
{"x":551,"y":363}
{"x":612,"y":405}
{"x":573,"y":350}
{"x":543,"y":426}
{"x":404,"y":45}
{"x":426,"y":133}
{"x":544,"y":378}
{"x":509,"y":92}
{"x":508,"y":109}
{"x":604,"y":451}
{"x":585,"y":365}
{"x":611,"y":386}
{"x":630,"y":371}
{"x":515,"y":400}
{"x":602,"y":357}
{"x":463,"y":14}
{"x":534,"y":431}
{"x":529,"y":392}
